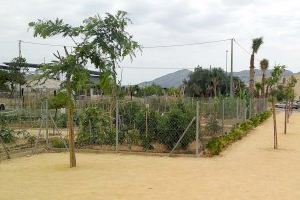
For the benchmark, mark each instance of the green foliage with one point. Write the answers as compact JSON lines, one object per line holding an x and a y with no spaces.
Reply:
{"x":58,"y":101}
{"x":61,"y":120}
{"x":210,"y":83}
{"x":129,"y":113}
{"x":274,"y":79}
{"x":172,"y":125}
{"x":101,"y":41}
{"x":4,"y":79}
{"x":7,"y":135}
{"x":256,"y":43}
{"x":58,"y":142}
{"x":132,"y":137}
{"x":212,"y":127}
{"x":94,"y":126}
{"x":217,"y":144}
{"x":15,"y":75}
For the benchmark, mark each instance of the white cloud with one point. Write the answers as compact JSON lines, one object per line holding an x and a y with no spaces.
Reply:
{"x":159,"y":22}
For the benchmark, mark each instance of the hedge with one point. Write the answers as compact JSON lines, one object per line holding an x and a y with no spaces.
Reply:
{"x":217,"y":144}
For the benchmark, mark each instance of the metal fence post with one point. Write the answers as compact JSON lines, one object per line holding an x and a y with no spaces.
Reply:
{"x":90,"y":130}
{"x":46,"y":122}
{"x":117,"y":126}
{"x":223,"y":113}
{"x":197,"y":129}
{"x":237,"y":109}
{"x":245,"y":109}
{"x":250,"y":108}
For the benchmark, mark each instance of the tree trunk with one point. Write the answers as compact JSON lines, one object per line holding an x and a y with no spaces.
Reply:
{"x":215,"y":90}
{"x":71,"y":124}
{"x":263,"y":84}
{"x":251,"y":81}
{"x":274,"y":123}
{"x":285,"y":116}
{"x":267,"y":91}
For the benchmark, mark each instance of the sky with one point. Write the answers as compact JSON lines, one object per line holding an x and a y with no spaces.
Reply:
{"x":166,"y":22}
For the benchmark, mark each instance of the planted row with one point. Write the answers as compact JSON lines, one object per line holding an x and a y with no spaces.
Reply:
{"x":217,"y":144}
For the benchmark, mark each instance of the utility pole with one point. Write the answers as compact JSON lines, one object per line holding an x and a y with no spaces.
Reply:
{"x":226,"y":61}
{"x":20,"y":51}
{"x":231,"y":69}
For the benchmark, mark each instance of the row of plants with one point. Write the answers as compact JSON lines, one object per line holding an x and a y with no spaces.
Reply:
{"x":138,"y":125}
{"x":217,"y":144}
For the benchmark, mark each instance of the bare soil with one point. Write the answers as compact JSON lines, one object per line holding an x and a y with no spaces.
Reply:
{"x":249,"y":169}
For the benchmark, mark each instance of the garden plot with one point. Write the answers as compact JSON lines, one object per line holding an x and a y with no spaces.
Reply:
{"x":249,"y":169}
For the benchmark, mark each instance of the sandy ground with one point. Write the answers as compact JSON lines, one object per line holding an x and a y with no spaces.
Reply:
{"x":249,"y":169}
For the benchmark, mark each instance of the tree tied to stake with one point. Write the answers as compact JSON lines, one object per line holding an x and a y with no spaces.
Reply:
{"x":100,"y":41}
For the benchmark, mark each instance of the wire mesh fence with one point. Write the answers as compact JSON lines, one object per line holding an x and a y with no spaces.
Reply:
{"x":155,"y":124}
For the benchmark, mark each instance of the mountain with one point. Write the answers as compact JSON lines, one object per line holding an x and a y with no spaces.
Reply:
{"x":174,"y":79}
{"x":244,"y":74}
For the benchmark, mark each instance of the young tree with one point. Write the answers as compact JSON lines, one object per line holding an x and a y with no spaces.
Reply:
{"x":289,"y":96}
{"x":101,"y":41}
{"x":273,"y":84}
{"x":16,"y":73}
{"x":4,"y":80}
{"x":256,"y":43}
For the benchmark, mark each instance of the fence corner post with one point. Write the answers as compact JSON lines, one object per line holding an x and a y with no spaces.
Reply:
{"x":117,"y":126}
{"x":197,"y":129}
{"x":223,"y":115}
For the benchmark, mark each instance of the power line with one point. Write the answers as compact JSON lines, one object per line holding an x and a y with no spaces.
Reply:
{"x":143,"y":47}
{"x":158,"y":68}
{"x":187,"y":44}
{"x":46,"y":44}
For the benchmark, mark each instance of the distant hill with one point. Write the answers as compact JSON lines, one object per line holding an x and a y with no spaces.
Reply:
{"x":244,"y":74}
{"x":175,"y":79}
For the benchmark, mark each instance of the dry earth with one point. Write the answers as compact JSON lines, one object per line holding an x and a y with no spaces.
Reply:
{"x":249,"y":169}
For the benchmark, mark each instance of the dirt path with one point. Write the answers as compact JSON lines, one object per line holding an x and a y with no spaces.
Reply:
{"x":249,"y":169}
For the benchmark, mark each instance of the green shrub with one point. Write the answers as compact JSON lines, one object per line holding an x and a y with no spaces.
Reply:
{"x":7,"y":135}
{"x":217,"y":144}
{"x":129,"y":113}
{"x":94,"y":127}
{"x":255,"y":120}
{"x":146,"y":141}
{"x":58,"y":142}
{"x":131,"y":137}
{"x":172,"y":125}
{"x":212,"y":127}
{"x":247,"y":126}
{"x":61,"y":120}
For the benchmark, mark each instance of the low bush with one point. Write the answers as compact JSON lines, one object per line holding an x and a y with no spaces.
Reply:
{"x":217,"y":144}
{"x":58,"y":142}
{"x":7,"y":135}
{"x":173,"y":124}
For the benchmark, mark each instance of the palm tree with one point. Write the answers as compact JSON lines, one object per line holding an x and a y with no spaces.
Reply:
{"x":258,"y":88}
{"x":256,"y":43}
{"x":264,"y":65}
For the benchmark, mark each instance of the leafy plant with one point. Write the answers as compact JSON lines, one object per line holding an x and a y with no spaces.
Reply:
{"x":171,"y":127}
{"x":58,"y":142}
{"x":217,"y":144}
{"x":132,"y":137}
{"x":7,"y":135}
{"x":212,"y":127}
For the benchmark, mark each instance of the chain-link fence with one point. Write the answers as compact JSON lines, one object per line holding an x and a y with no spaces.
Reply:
{"x":155,"y":124}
